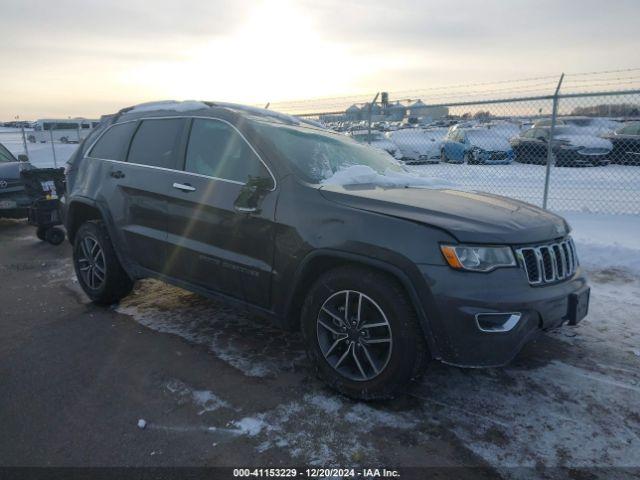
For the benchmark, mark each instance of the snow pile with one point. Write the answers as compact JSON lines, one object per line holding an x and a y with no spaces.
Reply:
{"x":363,"y":174}
{"x":205,"y":400}
{"x":250,"y":426}
{"x":606,"y":241}
{"x":172,"y":105}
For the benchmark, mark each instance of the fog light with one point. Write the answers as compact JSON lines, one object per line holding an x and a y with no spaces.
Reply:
{"x":497,"y":322}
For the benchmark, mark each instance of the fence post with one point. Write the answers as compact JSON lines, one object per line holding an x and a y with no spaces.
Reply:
{"x":24,"y":140}
{"x":53,"y":149}
{"x":370,"y":113}
{"x":554,"y":115}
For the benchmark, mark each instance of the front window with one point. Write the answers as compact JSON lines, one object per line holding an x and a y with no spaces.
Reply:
{"x":317,"y":155}
{"x":217,"y":150}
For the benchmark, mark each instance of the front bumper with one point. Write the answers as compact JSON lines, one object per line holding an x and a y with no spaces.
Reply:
{"x":572,"y":158}
{"x":455,"y":299}
{"x":14,"y":203}
{"x":495,"y":158}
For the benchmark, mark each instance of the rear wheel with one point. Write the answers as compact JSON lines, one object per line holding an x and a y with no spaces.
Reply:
{"x":443,"y":156}
{"x":362,"y":333}
{"x":41,"y":232}
{"x":54,"y":235}
{"x":97,"y":267}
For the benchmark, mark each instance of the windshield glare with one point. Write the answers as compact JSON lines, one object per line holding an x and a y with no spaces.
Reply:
{"x":316,"y":155}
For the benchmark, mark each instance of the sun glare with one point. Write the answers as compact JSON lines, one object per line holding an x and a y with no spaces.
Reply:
{"x":275,"y":54}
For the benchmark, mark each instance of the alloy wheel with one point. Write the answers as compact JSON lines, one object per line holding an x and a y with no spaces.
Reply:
{"x":354,"y":335}
{"x":91,"y":262}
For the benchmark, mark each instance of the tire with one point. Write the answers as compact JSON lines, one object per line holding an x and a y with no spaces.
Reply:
{"x":115,"y":284}
{"x":390,"y":365}
{"x":41,"y":232}
{"x":54,"y":235}
{"x":443,"y":156}
{"x":64,"y":140}
{"x":468,"y":159}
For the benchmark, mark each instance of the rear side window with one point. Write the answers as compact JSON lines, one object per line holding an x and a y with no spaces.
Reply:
{"x":156,"y":143}
{"x":113,"y":144}
{"x":216,"y":149}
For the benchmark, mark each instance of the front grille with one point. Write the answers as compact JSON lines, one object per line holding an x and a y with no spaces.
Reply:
{"x":549,"y":263}
{"x":593,"y":151}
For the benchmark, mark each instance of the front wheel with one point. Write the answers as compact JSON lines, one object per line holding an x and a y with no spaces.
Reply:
{"x":362,"y":333}
{"x":97,"y":267}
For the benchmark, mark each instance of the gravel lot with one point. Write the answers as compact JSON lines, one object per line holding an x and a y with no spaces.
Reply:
{"x":217,"y":387}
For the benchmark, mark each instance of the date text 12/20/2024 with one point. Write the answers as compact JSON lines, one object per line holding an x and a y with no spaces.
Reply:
{"x":317,"y":472}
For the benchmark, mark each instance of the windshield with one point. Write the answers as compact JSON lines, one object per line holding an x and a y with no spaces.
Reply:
{"x":5,"y":155}
{"x":564,"y":130}
{"x":316,"y":155}
{"x":480,"y":134}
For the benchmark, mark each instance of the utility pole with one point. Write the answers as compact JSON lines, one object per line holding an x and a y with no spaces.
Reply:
{"x":24,"y":138}
{"x":554,"y":116}
{"x":370,"y":114}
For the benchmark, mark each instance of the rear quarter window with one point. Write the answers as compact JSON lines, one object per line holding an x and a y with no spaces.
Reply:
{"x":113,"y":144}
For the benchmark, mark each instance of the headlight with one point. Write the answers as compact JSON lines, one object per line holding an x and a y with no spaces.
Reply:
{"x":477,"y":259}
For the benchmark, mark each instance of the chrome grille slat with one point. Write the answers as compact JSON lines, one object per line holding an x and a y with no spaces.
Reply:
{"x":554,"y":262}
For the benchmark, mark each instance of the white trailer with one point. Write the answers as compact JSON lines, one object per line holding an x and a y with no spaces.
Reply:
{"x":61,"y":130}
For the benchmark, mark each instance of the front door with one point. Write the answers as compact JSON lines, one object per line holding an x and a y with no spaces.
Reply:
{"x":217,"y":239}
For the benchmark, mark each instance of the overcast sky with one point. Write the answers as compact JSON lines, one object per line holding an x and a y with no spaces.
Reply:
{"x":90,"y":57}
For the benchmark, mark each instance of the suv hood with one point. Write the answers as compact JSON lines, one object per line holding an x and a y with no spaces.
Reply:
{"x":468,"y":216}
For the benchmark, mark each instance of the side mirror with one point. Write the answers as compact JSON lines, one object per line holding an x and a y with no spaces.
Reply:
{"x":23,"y":158}
{"x":251,"y":194}
{"x":542,"y":139}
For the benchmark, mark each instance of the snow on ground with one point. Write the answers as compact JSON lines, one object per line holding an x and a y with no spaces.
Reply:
{"x":228,"y":333}
{"x":609,"y":240}
{"x":610,"y":189}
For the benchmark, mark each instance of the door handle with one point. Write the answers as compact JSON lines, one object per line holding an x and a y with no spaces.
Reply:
{"x":117,"y":174}
{"x":185,"y":187}
{"x":246,"y":209}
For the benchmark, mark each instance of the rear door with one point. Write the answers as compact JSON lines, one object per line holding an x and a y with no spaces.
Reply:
{"x":217,"y":239}
{"x":153,"y":157}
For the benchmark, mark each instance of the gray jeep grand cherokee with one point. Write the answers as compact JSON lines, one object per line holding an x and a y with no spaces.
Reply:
{"x":245,"y":205}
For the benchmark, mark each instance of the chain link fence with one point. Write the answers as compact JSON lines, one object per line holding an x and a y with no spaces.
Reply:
{"x":45,"y":143}
{"x":559,"y":143}
{"x":569,"y":143}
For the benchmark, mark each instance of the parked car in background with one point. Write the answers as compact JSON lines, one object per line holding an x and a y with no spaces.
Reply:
{"x":289,"y":221}
{"x":14,"y":200}
{"x":588,"y":125}
{"x":592,"y":125}
{"x":416,"y":146}
{"x":571,"y":147}
{"x":474,"y":146}
{"x":375,"y":139}
{"x":626,"y":144}
{"x":507,"y":130}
